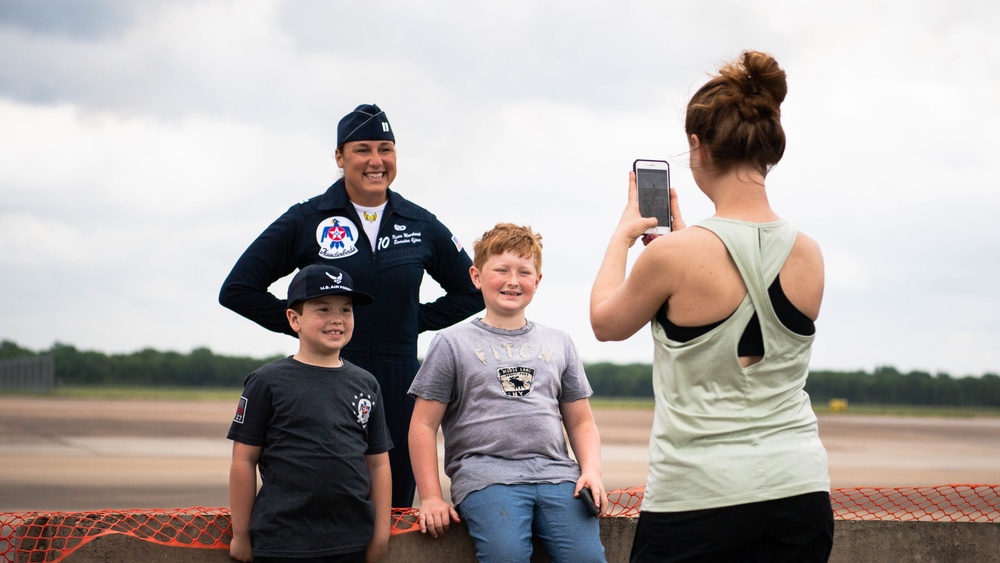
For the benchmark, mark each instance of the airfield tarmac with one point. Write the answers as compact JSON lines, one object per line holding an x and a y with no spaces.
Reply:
{"x":83,"y":454}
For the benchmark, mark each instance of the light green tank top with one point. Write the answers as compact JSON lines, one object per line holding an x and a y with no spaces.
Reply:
{"x":724,"y":434}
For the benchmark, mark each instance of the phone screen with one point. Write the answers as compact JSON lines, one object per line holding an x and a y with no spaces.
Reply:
{"x":654,"y":195}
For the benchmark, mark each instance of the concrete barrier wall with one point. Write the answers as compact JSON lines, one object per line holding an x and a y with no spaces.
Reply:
{"x":854,"y":541}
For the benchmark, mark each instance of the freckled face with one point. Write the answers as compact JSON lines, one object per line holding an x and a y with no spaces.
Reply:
{"x":508,"y":283}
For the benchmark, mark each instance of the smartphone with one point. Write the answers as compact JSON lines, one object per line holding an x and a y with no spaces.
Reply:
{"x":588,"y":500}
{"x":652,"y":177}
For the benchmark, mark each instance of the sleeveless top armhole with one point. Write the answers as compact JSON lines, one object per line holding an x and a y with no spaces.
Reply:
{"x":752,"y":341}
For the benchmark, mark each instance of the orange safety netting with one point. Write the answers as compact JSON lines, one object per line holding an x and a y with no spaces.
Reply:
{"x":29,"y":537}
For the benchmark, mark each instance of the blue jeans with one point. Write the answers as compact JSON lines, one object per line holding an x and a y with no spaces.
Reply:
{"x":502,"y":518}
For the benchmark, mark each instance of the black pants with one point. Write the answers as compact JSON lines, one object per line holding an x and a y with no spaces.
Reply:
{"x":394,"y":377}
{"x":795,"y":529}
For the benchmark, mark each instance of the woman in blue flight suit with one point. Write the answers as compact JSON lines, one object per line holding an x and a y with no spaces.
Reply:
{"x":386,"y":243}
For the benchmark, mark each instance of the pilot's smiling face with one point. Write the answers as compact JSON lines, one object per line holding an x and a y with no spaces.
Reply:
{"x":369,"y":168}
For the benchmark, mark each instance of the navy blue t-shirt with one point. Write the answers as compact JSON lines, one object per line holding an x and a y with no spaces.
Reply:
{"x":315,"y":426}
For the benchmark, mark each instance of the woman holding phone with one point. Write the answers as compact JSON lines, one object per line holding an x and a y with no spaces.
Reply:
{"x":737,"y":469}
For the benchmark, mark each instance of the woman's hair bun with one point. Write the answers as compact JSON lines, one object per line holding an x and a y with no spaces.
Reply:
{"x":761,"y":82}
{"x":737,"y":113}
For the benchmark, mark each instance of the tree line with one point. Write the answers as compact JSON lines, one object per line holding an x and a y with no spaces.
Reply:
{"x":202,"y":368}
{"x":883,"y":386}
{"x":147,"y":367}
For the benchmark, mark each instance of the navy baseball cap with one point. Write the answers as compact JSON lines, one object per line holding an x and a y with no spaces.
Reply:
{"x":317,"y":280}
{"x":366,"y":123}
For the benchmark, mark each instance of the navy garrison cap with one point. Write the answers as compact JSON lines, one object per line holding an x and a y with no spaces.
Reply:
{"x":317,"y":280}
{"x":366,"y":123}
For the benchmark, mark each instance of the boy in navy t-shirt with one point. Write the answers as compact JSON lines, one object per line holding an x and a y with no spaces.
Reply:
{"x":313,"y":424}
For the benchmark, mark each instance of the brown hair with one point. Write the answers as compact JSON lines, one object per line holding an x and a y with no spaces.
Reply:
{"x":737,"y":114}
{"x":508,"y":237}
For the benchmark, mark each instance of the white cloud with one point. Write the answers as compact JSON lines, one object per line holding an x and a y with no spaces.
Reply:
{"x":143,"y":148}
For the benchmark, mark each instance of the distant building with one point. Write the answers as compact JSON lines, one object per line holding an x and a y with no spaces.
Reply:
{"x":33,"y":373}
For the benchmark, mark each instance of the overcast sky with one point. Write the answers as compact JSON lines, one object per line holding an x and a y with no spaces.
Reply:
{"x":144,"y":144}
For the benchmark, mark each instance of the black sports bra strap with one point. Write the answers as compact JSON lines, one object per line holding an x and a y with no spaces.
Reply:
{"x":752,"y":340}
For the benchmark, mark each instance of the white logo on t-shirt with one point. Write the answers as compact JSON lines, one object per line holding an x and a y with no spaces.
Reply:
{"x":362,"y":407}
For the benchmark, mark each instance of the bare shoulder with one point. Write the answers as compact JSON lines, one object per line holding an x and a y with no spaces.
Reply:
{"x":807,"y":241}
{"x":806,"y":252}
{"x":802,"y":276}
{"x":665,"y":265}
{"x":680,"y":244}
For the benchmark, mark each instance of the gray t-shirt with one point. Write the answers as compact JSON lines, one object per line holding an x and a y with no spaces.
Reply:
{"x":502,"y":424}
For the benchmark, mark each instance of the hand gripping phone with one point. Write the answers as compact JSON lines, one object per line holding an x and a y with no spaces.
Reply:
{"x":652,"y":177}
{"x":588,"y":500}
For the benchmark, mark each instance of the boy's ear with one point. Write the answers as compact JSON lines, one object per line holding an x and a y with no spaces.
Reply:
{"x":474,"y":274}
{"x":293,"y":319}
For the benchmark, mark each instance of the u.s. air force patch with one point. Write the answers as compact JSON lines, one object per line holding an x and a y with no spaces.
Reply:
{"x":516,"y":381}
{"x":337,"y":237}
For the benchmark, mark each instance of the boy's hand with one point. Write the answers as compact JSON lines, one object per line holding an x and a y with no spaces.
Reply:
{"x":436,"y":515}
{"x":597,"y":490}
{"x":239,"y":548}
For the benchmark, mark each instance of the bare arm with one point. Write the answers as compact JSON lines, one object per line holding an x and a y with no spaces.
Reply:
{"x":242,"y":493}
{"x":585,"y":440}
{"x":620,"y":305}
{"x":381,"y":495}
{"x":435,"y":513}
